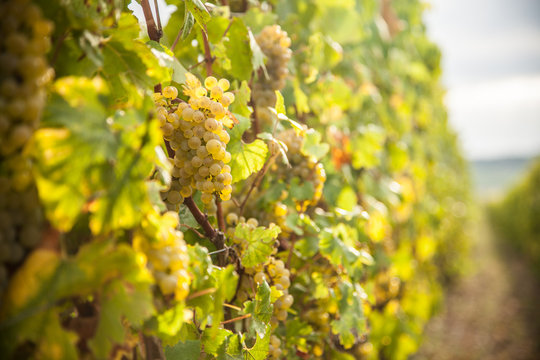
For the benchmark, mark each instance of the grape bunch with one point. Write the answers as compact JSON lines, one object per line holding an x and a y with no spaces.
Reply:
{"x":195,"y":131}
{"x":274,"y":350}
{"x":24,"y":72}
{"x":275,"y":44}
{"x":273,"y":271}
{"x":167,"y":256}
{"x":303,"y":167}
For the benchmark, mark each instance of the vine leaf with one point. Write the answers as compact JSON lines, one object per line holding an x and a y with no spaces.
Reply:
{"x":242,"y":97}
{"x":188,"y":350}
{"x":107,"y":177}
{"x":260,"y":243}
{"x":260,"y":309}
{"x":258,"y":56}
{"x":337,"y":251}
{"x":214,"y":340}
{"x":225,"y":284}
{"x":119,"y":303}
{"x":45,"y":279}
{"x":167,"y":60}
{"x":312,"y":145}
{"x":259,"y":351}
{"x":238,"y":50}
{"x":232,"y":349}
{"x":246,"y":159}
{"x":351,"y":320}
{"x":189,"y":21}
{"x":369,"y":144}
{"x":199,"y":11}
{"x":297,"y":332}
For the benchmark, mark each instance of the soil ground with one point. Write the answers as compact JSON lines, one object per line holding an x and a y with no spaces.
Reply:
{"x":493,"y":313}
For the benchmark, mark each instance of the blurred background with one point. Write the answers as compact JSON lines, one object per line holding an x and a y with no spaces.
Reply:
{"x":491,"y":68}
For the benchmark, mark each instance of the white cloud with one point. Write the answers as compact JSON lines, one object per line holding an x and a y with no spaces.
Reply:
{"x":497,"y":118}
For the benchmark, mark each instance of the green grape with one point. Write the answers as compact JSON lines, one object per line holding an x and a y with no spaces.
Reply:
{"x":188,"y":113}
{"x":231,"y":219}
{"x":210,"y":82}
{"x":194,"y":143}
{"x":259,"y":277}
{"x":198,"y":116}
{"x":224,"y":84}
{"x":24,"y":76}
{"x":211,"y":124}
{"x":215,"y":169}
{"x":170,"y":92}
{"x":213,"y":146}
{"x":207,"y":198}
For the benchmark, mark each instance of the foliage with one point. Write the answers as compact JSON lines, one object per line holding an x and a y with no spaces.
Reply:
{"x":516,"y":216}
{"x":349,"y":193}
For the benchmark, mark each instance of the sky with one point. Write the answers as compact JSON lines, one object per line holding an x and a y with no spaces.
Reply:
{"x":491,"y":69}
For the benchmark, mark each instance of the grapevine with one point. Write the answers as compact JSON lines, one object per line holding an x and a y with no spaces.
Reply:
{"x":248,"y":181}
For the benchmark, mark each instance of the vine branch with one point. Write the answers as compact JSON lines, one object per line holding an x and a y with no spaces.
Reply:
{"x":219,"y":214}
{"x":207,"y":53}
{"x":154,"y":32}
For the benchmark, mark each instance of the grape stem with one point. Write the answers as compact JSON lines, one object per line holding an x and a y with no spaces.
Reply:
{"x":236,"y":319}
{"x":256,"y":181}
{"x":292,"y":240}
{"x":194,"y":230}
{"x":58,"y":45}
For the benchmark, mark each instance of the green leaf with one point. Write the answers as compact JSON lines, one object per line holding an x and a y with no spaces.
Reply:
{"x":256,"y":19}
{"x":258,"y":56}
{"x":369,"y":144}
{"x":188,"y":350}
{"x":246,"y":159}
{"x":169,"y":324}
{"x":226,"y":280}
{"x":351,"y":320}
{"x":238,"y":50}
{"x":242,"y":98}
{"x":201,"y":268}
{"x":128,"y":62}
{"x":120,"y":285}
{"x":189,"y":21}
{"x":297,"y":331}
{"x":187,"y":218}
{"x":260,"y":243}
{"x":167,"y":60}
{"x":280,"y":104}
{"x":336,"y":250}
{"x":259,"y":351}
{"x":119,"y":303}
{"x":116,"y":151}
{"x":261,"y":309}
{"x":347,"y":199}
{"x":301,"y":190}
{"x":199,"y":11}
{"x":231,"y":349}
{"x":213,"y":340}
{"x":312,"y":145}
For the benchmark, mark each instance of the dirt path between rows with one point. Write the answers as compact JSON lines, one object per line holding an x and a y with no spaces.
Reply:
{"x":494,"y":313}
